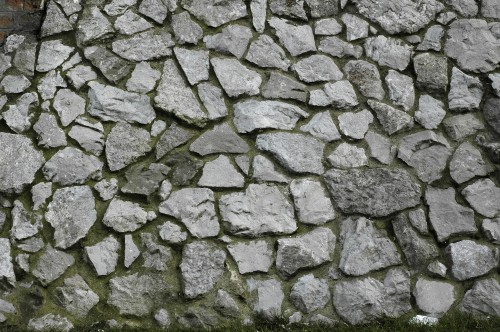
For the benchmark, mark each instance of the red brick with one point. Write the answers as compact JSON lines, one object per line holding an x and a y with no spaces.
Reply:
{"x":15,"y":4}
{"x":5,"y":22}
{"x":3,"y":35}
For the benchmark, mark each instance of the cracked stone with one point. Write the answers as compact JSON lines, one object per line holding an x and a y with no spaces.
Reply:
{"x":365,"y":77}
{"x":125,"y":144}
{"x":432,"y":39}
{"x":89,"y":135}
{"x":338,"y":48}
{"x":130,"y":23}
{"x":401,"y":90}
{"x":322,"y":126}
{"x":92,"y":26}
{"x":76,"y":296}
{"x":52,"y":53}
{"x":111,"y":66}
{"x":460,"y":126}
{"x":143,"y":78}
{"x":317,"y":68}
{"x":380,"y":147}
{"x":465,"y":93}
{"x":213,"y":100}
{"x":233,"y":39}
{"x":391,"y":119}
{"x":355,"y":125}
{"x":194,"y":64}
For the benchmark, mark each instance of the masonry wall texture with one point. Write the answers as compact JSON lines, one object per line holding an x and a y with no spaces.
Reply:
{"x":198,"y":162}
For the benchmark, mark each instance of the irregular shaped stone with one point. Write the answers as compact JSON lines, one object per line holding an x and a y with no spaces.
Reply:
{"x":484,"y":196}
{"x":309,"y":293}
{"x":317,"y":68}
{"x":389,"y":52}
{"x":365,"y":77}
{"x":19,"y":116}
{"x":117,"y":7}
{"x":194,"y":64}
{"x":50,"y":322}
{"x":467,"y":162}
{"x":252,"y":256}
{"x":24,"y":224}
{"x":265,"y":171}
{"x":211,"y":97}
{"x":258,"y":9}
{"x":52,"y":53}
{"x":437,"y":268}
{"x":377,"y":192}
{"x":5,"y":63}
{"x":173,"y":137}
{"x":495,"y":83}
{"x":111,"y":66}
{"x":430,"y":112}
{"x":356,"y":28}
{"x":472,"y":44}
{"x":401,"y":90}
{"x":25,"y":57}
{"x":434,"y":297}
{"x":155,"y":9}
{"x":142,"y":180}
{"x":321,"y":126}
{"x":125,"y":144}
{"x":124,"y":216}
{"x":184,"y":168}
{"x":233,"y":39}
{"x":432,"y":39}
{"x":172,"y":233}
{"x":418,"y":220}
{"x":297,"y":39}
{"x":186,"y":31}
{"x":470,"y":259}
{"x":465,"y":93}
{"x":348,"y":156}
{"x":194,"y":207}
{"x":14,"y":83}
{"x":76,"y":296}
{"x":89,"y":135}
{"x":147,"y":45}
{"x":80,"y":75}
{"x":49,"y":133}
{"x":339,"y":48}
{"x":460,"y":126}
{"x":265,"y":53}
{"x":309,"y":250}
{"x":202,"y":266}
{"x":143,"y":78}
{"x":107,"y":188}
{"x":341,"y":94}
{"x":6,"y":266}
{"x":327,"y":27}
{"x":312,"y":202}
{"x":155,"y":256}
{"x":213,"y":13}
{"x":406,"y":16}
{"x":491,"y":114}
{"x":432,"y":72}
{"x":220,"y":139}
{"x":130,"y":23}
{"x":69,"y":106}
{"x":268,"y":297}
{"x":261,"y":209}
{"x":71,"y":213}
{"x":491,"y":229}
{"x":380,"y":147}
{"x":220,"y":173}
{"x":54,"y":22}
{"x":226,"y":305}
{"x":482,"y":298}
{"x":323,"y":8}
{"x":355,"y":125}
{"x":72,"y":166}
{"x":292,"y":10}
{"x":92,"y":26}
{"x":447,"y":217}
{"x":51,"y":265}
{"x":284,"y":87}
{"x":235,"y":78}
{"x":392,"y":119}
{"x":104,"y":255}
{"x":40,"y":192}
{"x":131,"y":252}
{"x":490,"y":8}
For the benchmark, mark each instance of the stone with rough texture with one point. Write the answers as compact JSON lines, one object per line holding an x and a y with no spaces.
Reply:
{"x":124,"y":216}
{"x":50,"y":322}
{"x":482,"y":298}
{"x":76,"y":296}
{"x":130,"y":23}
{"x":220,"y":139}
{"x":338,"y":48}
{"x":268,"y":297}
{"x":213,"y":100}
{"x":434,"y":297}
{"x":233,"y":39}
{"x":186,"y":31}
{"x":69,"y":106}
{"x":220,"y":173}
{"x":460,"y":126}
{"x":279,"y":86}
{"x":432,"y":72}
{"x":484,"y":196}
{"x":322,"y":126}
{"x":389,"y":52}
{"x":92,"y":25}
{"x":312,"y":202}
{"x":310,"y":293}
{"x":6,"y":266}
{"x":55,"y":22}
{"x":194,"y":64}
{"x":235,"y":78}
{"x":380,"y":147}
{"x":213,"y":12}
{"x":365,"y":77}
{"x":265,"y":53}
{"x":341,"y":94}
{"x":104,"y":255}
{"x":465,"y":93}
{"x":317,"y":68}
{"x":430,"y":112}
{"x":131,"y":252}
{"x":491,"y":113}
{"x":173,"y":137}
{"x":265,"y":171}
{"x":49,"y":133}
{"x":356,"y":28}
{"x":125,"y":144}
{"x":107,"y":188}
{"x":80,"y":75}
{"x":89,"y":135}
{"x":157,"y":9}
{"x":355,"y":125}
{"x":391,"y":119}
{"x":432,"y":39}
{"x":258,"y":9}
{"x":51,"y":265}
{"x":491,"y":229}
{"x":143,"y":78}
{"x":348,"y":156}
{"x":467,"y":162}
{"x":111,"y":66}
{"x":15,"y":83}
{"x":24,"y":224}
{"x":297,"y":39}
{"x":72,"y":166}
{"x":147,"y":45}
{"x":52,"y":53}
{"x":401,"y":90}
{"x":470,"y":259}
{"x":252,"y":256}
{"x":327,"y":27}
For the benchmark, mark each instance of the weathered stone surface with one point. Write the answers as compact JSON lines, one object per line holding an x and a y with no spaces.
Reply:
{"x":220,"y":139}
{"x":235,"y":78}
{"x":157,"y":9}
{"x":312,"y":202}
{"x":292,"y":10}
{"x":491,"y":229}
{"x":117,"y":7}
{"x":279,"y":86}
{"x":72,"y":166}
{"x":261,"y":209}
{"x":472,"y":44}
{"x":40,"y":192}
{"x":297,"y":39}
{"x":89,"y":135}
{"x":490,"y":8}
{"x":214,"y":13}
{"x":20,"y":116}
{"x":51,"y":265}
{"x":322,"y":126}
{"x":310,"y":293}
{"x":50,"y":322}
{"x":80,"y":75}
{"x":463,"y":125}
{"x":156,"y":257}
{"x":194,"y":207}
{"x":24,"y":224}
{"x":392,"y":119}
{"x":143,"y":78}
{"x":430,"y":112}
{"x":263,"y":170}
{"x":112,"y":104}
{"x":124,"y":216}
{"x":144,"y":180}
{"x":364,"y":248}
{"x":92,"y":26}
{"x":6,"y":266}
{"x":104,"y":255}
{"x":194,"y":64}
{"x":68,"y":106}
{"x":220,"y":173}
{"x":252,"y":256}
{"x":147,"y":45}
{"x":284,"y":147}
{"x":14,"y":83}
{"x":111,"y":66}
{"x":355,"y":125}
{"x":465,"y":93}
{"x":71,"y":213}
{"x":213,"y":100}
{"x":131,"y":252}
{"x":432,"y":72}
{"x":52,"y":53}
{"x":173,"y":137}
{"x":491,"y":113}
{"x":341,"y":94}
{"x":233,"y":39}
{"x":339,"y":48}
{"x":432,"y":39}
{"x":268,"y":297}
{"x":184,"y":168}
{"x":317,"y":68}
{"x":484,"y":196}
{"x":470,"y":259}
{"x":405,"y":16}
{"x":125,"y":144}
{"x":76,"y":296}
{"x":482,"y":298}
{"x":226,"y":305}
{"x":252,"y":115}
{"x":467,"y":162}
{"x":55,"y":22}
{"x":348,"y":156}
{"x":390,"y":52}
{"x":356,"y":28}
{"x":401,"y":90}
{"x":186,"y":31}
{"x":434,"y":297}
{"x":25,"y":57}
{"x":201,"y":267}
{"x":107,"y":188}
{"x":49,"y":133}
{"x":130,"y":23}
{"x":365,"y":77}
{"x":376,"y":192}
{"x":380,"y":147}
{"x":265,"y":53}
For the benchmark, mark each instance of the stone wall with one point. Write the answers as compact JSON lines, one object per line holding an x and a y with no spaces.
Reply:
{"x":19,"y":16}
{"x":199,"y":162}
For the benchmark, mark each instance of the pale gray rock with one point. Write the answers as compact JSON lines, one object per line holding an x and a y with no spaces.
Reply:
{"x":279,"y":86}
{"x":309,"y":293}
{"x":40,"y":192}
{"x":71,"y":213}
{"x":467,"y":162}
{"x":158,"y":127}
{"x":391,"y":119}
{"x":437,"y":268}
{"x":348,"y":156}
{"x":323,"y":8}
{"x":322,"y":126}
{"x":405,"y":16}
{"x":194,"y":207}
{"x":365,"y":248}
{"x":51,"y":265}
{"x":418,"y":220}
{"x":213,"y":100}
{"x":5,"y":63}
{"x":376,"y":192}
{"x":268,"y":297}
{"x":327,"y":27}
{"x":14,"y":83}
{"x":92,"y":26}
{"x":186,"y":31}
{"x":112,"y":104}
{"x":341,"y":94}
{"x":243,"y":162}
{"x":80,"y":75}
{"x":252,"y":256}
{"x":261,"y":209}
{"x":460,"y":126}
{"x":380,"y":147}
{"x":251,"y":115}
{"x":194,"y":64}
{"x":6,"y":266}
{"x":155,"y":9}
{"x":162,"y":318}
{"x":491,"y":229}
{"x":143,"y":78}
{"x":401,"y":90}
{"x":355,"y":125}
{"x":174,"y":96}
{"x":165,"y":189}
{"x":47,"y":86}
{"x":138,"y":295}
{"x":389,"y":52}
{"x":130,"y":23}
{"x":432,"y":72}
{"x":104,"y":255}
{"x":356,"y":28}
{"x":235,"y":78}
{"x":289,"y":9}
{"x":72,"y":166}
{"x":89,"y":135}
{"x":13,"y":42}
{"x":318,"y":97}
{"x":312,"y":202}
{"x":220,"y":173}
{"x":225,"y":304}
{"x":52,"y":53}
{"x":491,"y":114}
{"x":76,"y":296}
{"x":232,"y":39}
{"x":365,"y":77}
{"x":125,"y":144}
{"x":283,"y":146}
{"x":118,"y":7}
{"x":220,"y":139}
{"x":72,"y":61}
{"x":24,"y":224}
{"x":446,"y":17}
{"x":265,"y":53}
{"x":305,"y":251}
{"x":434,"y":297}
{"x":184,"y":168}
{"x":214,"y":13}
{"x":131,"y":252}
{"x":495,"y":83}
{"x":432,"y":39}
{"x":147,"y":45}
{"x":19,"y":116}
{"x":155,"y":256}
{"x":144,"y":180}
{"x":490,"y":8}
{"x":465,"y":93}
{"x":466,"y":8}
{"x":470,"y":259}
{"x":297,"y":39}
{"x":172,"y":233}
{"x":173,"y":137}
{"x":259,"y":12}
{"x":107,"y":188}
{"x":25,"y":57}
{"x":202,"y":266}
{"x":50,"y":322}
{"x":484,"y":196}
{"x":473,"y":45}
{"x":483,"y":298}
{"x":265,"y":171}
{"x":447,"y":217}
{"x":430,"y":112}
{"x":124,"y":216}
{"x":338,"y":48}
{"x":111,"y":66}
{"x":427,"y":152}
{"x":317,"y":68}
